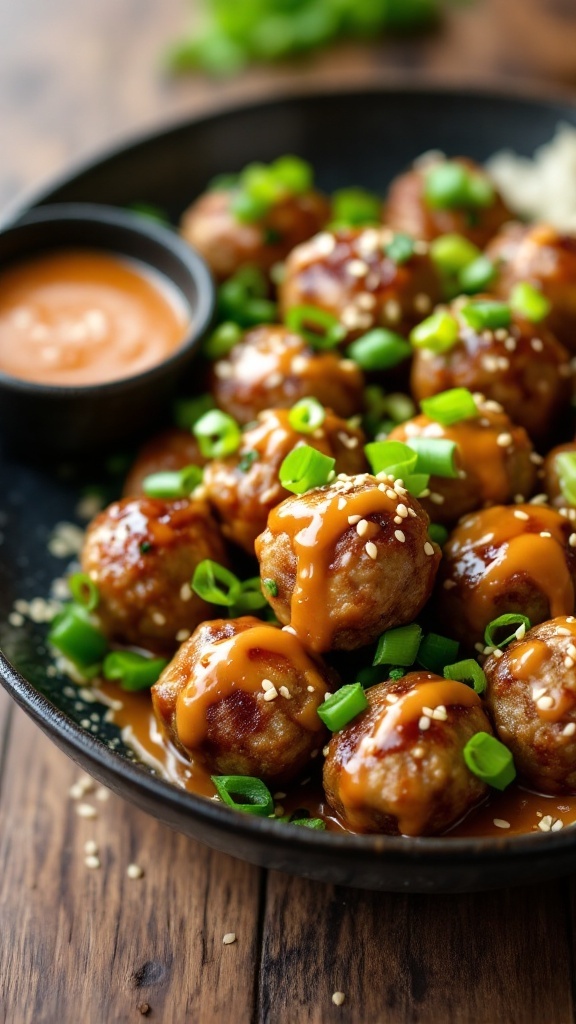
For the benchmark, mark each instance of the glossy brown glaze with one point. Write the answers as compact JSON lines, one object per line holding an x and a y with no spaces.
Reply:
{"x":551,"y":478}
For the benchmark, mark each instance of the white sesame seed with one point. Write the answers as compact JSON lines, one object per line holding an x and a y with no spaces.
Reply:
{"x":402,"y":510}
{"x":362,"y":527}
{"x":569,"y":729}
{"x":371,"y":550}
{"x":571,"y":651}
{"x":159,"y":618}
{"x":558,"y":824}
{"x":285,"y":692}
{"x":501,"y":823}
{"x":428,"y":548}
{"x":392,"y":310}
{"x":570,"y":618}
{"x":537,"y":344}
{"x":544,"y":703}
{"x":338,"y":998}
{"x":391,"y":494}
{"x":86,"y":811}
{"x":357,"y":268}
{"x":546,"y":534}
{"x":354,"y":519}
{"x":92,"y":861}
{"x":102,"y":793}
{"x":418,"y":752}
{"x":503,"y":440}
{"x":271,"y":694}
{"x":366,"y":300}
{"x":229,"y":938}
{"x":400,"y":536}
{"x":398,"y":520}
{"x":422,"y":303}
{"x":185,"y":592}
{"x":440,"y":713}
{"x":568,"y":662}
{"x":342,"y":505}
{"x":562,"y":631}
{"x":545,"y":824}
{"x":90,"y":847}
{"x":326,"y":750}
{"x":310,"y":689}
{"x":289,"y":629}
{"x":520,"y":514}
{"x":498,"y":654}
{"x":412,"y":512}
{"x":572,"y":540}
{"x":392,"y":698}
{"x":267,"y":684}
{"x":134,"y":871}
{"x":323,"y":244}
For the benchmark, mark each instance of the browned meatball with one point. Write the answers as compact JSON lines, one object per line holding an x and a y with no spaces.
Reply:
{"x":493,"y":457}
{"x":546,"y":258}
{"x":399,"y":766}
{"x":531,"y":694}
{"x":407,"y":208}
{"x":171,"y":450}
{"x":227,"y":244}
{"x":552,"y":477}
{"x":522,"y":367}
{"x":348,"y":273}
{"x":349,"y":561}
{"x":141,"y":554}
{"x":244,"y":488}
{"x":272,"y":368}
{"x":506,"y":559}
{"x":243,"y":695}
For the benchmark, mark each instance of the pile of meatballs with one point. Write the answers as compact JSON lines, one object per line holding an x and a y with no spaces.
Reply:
{"x":344,"y":562}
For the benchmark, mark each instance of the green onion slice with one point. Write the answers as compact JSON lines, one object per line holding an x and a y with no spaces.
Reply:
{"x":399,"y":646}
{"x":271,"y":586}
{"x":565,"y":465}
{"x":397,"y":460}
{"x":244,"y":793}
{"x":450,"y":185}
{"x":250,"y":598}
{"x":438,"y":333}
{"x":315,"y":823}
{"x":248,"y":209}
{"x":307,"y":415}
{"x":450,"y":406}
{"x":322,"y":330}
{"x":217,"y":434}
{"x":247,"y":459}
{"x":478,"y":276}
{"x":222,"y":340}
{"x":435,"y":651}
{"x":305,"y":468}
{"x":75,"y":635}
{"x":173,"y":483}
{"x":467,"y":671}
{"x":490,"y":760}
{"x":133,"y":671}
{"x":355,"y":206}
{"x":342,"y":706}
{"x":294,"y":174}
{"x":187,"y":411}
{"x":84,"y":591}
{"x":396,"y":673}
{"x":529,"y":302}
{"x":400,"y":249}
{"x":215,"y":584}
{"x":438,"y":533}
{"x":380,"y":349}
{"x":487,"y":314}
{"x":512,"y":620}
{"x":436,"y":456}
{"x":451,"y":253}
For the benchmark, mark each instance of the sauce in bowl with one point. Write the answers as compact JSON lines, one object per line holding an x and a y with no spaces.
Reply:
{"x":77,"y":317}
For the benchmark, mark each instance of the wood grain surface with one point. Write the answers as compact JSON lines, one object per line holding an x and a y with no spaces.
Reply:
{"x":91,"y":945}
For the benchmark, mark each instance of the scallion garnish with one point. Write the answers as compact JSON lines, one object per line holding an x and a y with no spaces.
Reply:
{"x":490,"y":760}
{"x":451,"y":253}
{"x":477,"y":276}
{"x":436,"y":456}
{"x":353,"y":207}
{"x":75,"y":635}
{"x":307,"y":415}
{"x":342,"y":706}
{"x":305,"y":468}
{"x":565,"y":465}
{"x":450,"y":406}
{"x":133,"y":671}
{"x":178,"y":483}
{"x":436,"y":651}
{"x":247,"y":460}
{"x":245,"y":794}
{"x":187,"y":411}
{"x":222,"y":340}
{"x":271,"y":586}
{"x":399,"y":646}
{"x":380,"y":349}
{"x":217,"y":434}
{"x":321,"y":329}
{"x":250,"y":598}
{"x":398,"y":460}
{"x":84,"y":591}
{"x":243,"y":300}
{"x":467,"y":671}
{"x":438,"y":533}
{"x":315,"y":823}
{"x":438,"y":333}
{"x":529,"y":302}
{"x":518,"y":622}
{"x":450,"y":185}
{"x":215,"y":584}
{"x":396,"y":673}
{"x":487,"y":314}
{"x":400,"y":249}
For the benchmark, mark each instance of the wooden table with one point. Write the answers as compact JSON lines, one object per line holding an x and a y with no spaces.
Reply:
{"x":93,"y":945}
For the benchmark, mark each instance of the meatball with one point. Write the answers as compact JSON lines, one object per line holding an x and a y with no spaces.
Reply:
{"x":141,"y":553}
{"x":399,"y":767}
{"x":522,"y":367}
{"x":245,"y":487}
{"x":172,"y":450}
{"x":227,"y":243}
{"x":409,"y":209}
{"x":349,"y":274}
{"x":547,"y":259}
{"x":531,"y":694}
{"x":506,"y":559}
{"x":556,"y":498}
{"x":493,"y":457}
{"x":272,"y":368}
{"x":243,"y":695}
{"x":349,"y":561}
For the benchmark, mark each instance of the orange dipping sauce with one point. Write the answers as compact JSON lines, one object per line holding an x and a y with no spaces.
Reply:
{"x":85,"y":317}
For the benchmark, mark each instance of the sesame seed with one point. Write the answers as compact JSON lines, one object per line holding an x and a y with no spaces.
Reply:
{"x":366,"y":300}
{"x":418,"y":752}
{"x":400,"y":536}
{"x":537,"y":344}
{"x":570,"y":618}
{"x":326,"y":750}
{"x":323,"y":244}
{"x":357,"y":268}
{"x":436,"y":498}
{"x":371,"y":550}
{"x":569,"y":729}
{"x":338,"y":998}
{"x":422,"y":303}
{"x":501,"y":823}
{"x":402,"y":510}
{"x":134,"y":871}
{"x":86,"y":811}
{"x":546,"y":534}
{"x":102,"y":793}
{"x":229,"y":938}
{"x":392,"y":310}
{"x":568,"y":662}
{"x":544,"y":703}
{"x":545,"y":824}
{"x":440,"y":713}
{"x":278,"y":811}
{"x":342,"y":505}
{"x":90,"y":847}
{"x":412,"y":512}
{"x":572,"y":540}
{"x":289,"y":629}
{"x":392,"y":698}
{"x":427,"y":711}
{"x":267,"y":684}
{"x":354,"y":519}
{"x":159,"y":618}
{"x":391,"y":494}
{"x":310,"y":689}
{"x":362,"y":527}
{"x":182,"y":635}
{"x":538,"y":691}
{"x":428,"y":548}
{"x":285,"y":692}
{"x":424,"y":723}
{"x":558,"y":824}
{"x":571,"y":651}
{"x":92,"y":861}
{"x":503,"y":440}
{"x":271,"y":693}
{"x":562,"y":631}
{"x":398,"y":520}
{"x":519,"y":514}
{"x":498,"y":654}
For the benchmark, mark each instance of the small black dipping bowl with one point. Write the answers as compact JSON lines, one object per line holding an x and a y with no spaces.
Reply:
{"x":61,"y":419}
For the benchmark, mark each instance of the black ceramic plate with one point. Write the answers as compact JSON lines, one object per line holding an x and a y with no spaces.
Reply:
{"x":356,"y":138}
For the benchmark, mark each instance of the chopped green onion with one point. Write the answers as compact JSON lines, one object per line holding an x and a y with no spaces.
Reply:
{"x":467,"y":671}
{"x":399,"y":407}
{"x":380,"y":349}
{"x":217,"y":434}
{"x":76,"y":636}
{"x":242,"y":299}
{"x":487,"y":314}
{"x":478,"y":276}
{"x":307,"y":415}
{"x":247,"y":209}
{"x":172,"y":483}
{"x":295,"y":174}
{"x":451,"y":253}
{"x":244,"y":794}
{"x":529,"y":301}
{"x":438,"y":333}
{"x":342,"y":706}
{"x":260,"y":183}
{"x":315,"y":823}
{"x":84,"y":591}
{"x":450,"y":406}
{"x":187,"y":411}
{"x":398,"y":460}
{"x":400,"y":249}
{"x":215,"y":584}
{"x":450,"y":185}
{"x":355,"y":206}
{"x":222,"y":340}
{"x":250,"y":598}
{"x":511,"y":619}
{"x":322,"y":330}
{"x":490,"y":760}
{"x":396,"y":673}
{"x":565,"y":465}
{"x":436,"y":651}
{"x":134,"y":671}
{"x":399,"y":646}
{"x":247,"y":460}
{"x":305,"y":468}
{"x":436,"y":456}
{"x":271,"y":586}
{"x":438,"y":533}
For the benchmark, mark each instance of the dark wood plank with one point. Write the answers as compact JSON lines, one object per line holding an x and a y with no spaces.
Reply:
{"x":479,"y":959}
{"x":80,"y":944}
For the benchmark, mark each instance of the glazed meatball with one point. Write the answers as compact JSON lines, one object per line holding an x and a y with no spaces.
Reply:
{"x":172,"y":450}
{"x":272,"y":368}
{"x":551,"y":469}
{"x":227,"y":243}
{"x":243,"y":695}
{"x":410,"y":208}
{"x":547,"y":259}
{"x":522,"y":367}
{"x":349,"y":274}
{"x":493,"y":458}
{"x":245,"y":487}
{"x":399,"y":767}
{"x":349,"y":561}
{"x":531,"y":694}
{"x":141,"y":553}
{"x":506,"y":559}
